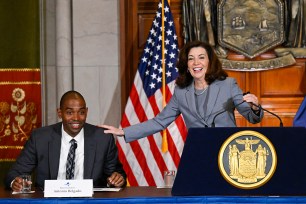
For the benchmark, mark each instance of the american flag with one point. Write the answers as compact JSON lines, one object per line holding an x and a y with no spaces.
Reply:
{"x":143,"y":160}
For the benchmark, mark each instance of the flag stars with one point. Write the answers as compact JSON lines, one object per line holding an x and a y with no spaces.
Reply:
{"x":173,"y":46}
{"x":160,"y":70}
{"x":167,"y":9}
{"x":153,"y":76}
{"x":152,"y":85}
{"x":150,"y":40}
{"x":156,"y":56}
{"x":152,"y":31}
{"x":161,"y":28}
{"x":159,"y":79}
{"x":169,"y":32}
{"x":156,"y":24}
{"x":168,"y":74}
{"x":170,"y":64}
{"x":144,"y":59}
{"x":165,"y":51}
{"x":172,"y":55}
{"x":155,"y":66}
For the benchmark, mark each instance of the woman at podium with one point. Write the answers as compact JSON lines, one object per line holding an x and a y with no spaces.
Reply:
{"x":204,"y":95}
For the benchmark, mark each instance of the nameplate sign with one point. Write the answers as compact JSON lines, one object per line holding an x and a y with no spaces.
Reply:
{"x":68,"y":188}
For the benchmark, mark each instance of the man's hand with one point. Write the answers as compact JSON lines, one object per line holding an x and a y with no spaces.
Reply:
{"x":116,"y":180}
{"x":17,"y":184}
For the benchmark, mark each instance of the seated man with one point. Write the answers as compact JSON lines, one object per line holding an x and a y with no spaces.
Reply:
{"x":94,"y":153}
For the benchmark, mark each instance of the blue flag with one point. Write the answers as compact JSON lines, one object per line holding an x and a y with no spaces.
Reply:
{"x":300,"y":117}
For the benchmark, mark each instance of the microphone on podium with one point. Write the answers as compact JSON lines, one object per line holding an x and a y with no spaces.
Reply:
{"x":280,"y":120}
{"x":225,"y":109}
{"x":259,"y":106}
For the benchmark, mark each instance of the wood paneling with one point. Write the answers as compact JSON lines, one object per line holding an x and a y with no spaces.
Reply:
{"x":279,"y":91}
{"x":282,"y":82}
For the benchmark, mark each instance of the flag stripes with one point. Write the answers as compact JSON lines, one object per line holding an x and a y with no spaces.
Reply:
{"x":143,"y":160}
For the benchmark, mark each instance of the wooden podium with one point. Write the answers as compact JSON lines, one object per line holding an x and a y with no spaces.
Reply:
{"x":199,"y":174}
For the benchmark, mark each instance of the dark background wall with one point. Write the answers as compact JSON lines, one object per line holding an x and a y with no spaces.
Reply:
{"x":19,"y":43}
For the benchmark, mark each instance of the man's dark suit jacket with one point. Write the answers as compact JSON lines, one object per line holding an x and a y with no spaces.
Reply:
{"x":42,"y":151}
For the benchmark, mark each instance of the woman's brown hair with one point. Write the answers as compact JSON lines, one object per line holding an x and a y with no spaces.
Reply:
{"x":214,"y":69}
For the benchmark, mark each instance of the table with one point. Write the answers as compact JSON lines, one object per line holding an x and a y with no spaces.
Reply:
{"x":144,"y":195}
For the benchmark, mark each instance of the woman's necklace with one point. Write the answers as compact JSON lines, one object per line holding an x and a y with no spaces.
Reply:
{"x":198,"y":94}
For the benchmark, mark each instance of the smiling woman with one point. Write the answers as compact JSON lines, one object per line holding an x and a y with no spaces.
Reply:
{"x":203,"y":91}
{"x":197,"y":65}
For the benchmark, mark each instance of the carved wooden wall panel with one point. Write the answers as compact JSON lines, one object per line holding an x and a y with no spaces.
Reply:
{"x":282,"y":82}
{"x":280,"y":90}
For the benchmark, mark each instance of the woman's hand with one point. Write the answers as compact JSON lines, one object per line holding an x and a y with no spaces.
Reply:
{"x":252,"y":100}
{"x":113,"y":130}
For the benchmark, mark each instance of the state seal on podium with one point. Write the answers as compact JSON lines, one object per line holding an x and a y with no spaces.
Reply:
{"x":247,"y":159}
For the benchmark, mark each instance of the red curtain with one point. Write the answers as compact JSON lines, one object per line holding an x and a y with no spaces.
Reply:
{"x":20,"y":109}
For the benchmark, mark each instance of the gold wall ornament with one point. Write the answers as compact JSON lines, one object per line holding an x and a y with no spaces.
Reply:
{"x":25,"y":115}
{"x":34,"y":69}
{"x":296,"y":52}
{"x":20,"y":108}
{"x":258,"y":65}
{"x":4,"y":119}
{"x":247,"y":160}
{"x":251,"y":27}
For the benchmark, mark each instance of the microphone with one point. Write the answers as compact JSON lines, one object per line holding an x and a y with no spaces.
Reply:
{"x":280,"y":120}
{"x":225,"y":109}
{"x":259,"y":106}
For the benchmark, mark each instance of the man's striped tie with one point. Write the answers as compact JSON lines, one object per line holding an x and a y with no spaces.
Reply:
{"x":70,"y":160}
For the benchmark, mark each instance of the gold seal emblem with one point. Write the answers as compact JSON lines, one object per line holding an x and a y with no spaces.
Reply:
{"x":247,"y":160}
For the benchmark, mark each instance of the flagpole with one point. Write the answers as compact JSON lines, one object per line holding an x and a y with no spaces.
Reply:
{"x":164,"y":139}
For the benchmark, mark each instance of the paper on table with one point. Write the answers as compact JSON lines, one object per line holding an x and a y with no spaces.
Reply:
{"x":163,"y":186}
{"x":20,"y":192}
{"x":107,"y":189}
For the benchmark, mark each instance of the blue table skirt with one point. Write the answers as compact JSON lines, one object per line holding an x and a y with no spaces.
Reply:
{"x":185,"y":200}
